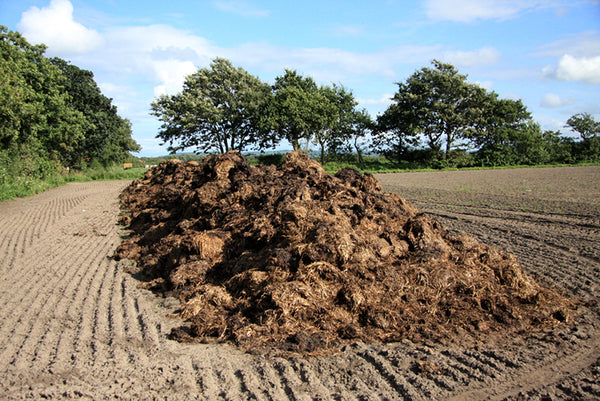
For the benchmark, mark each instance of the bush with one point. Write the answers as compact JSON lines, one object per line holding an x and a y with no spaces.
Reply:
{"x":270,"y":159}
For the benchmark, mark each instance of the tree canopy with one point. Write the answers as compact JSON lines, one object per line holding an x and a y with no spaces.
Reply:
{"x":220,"y":108}
{"x":296,"y":108}
{"x":585,"y":125}
{"x":437,"y":104}
{"x":337,"y":118}
{"x":438,"y":115}
{"x":35,"y":116}
{"x":107,"y":136}
{"x":52,"y":111}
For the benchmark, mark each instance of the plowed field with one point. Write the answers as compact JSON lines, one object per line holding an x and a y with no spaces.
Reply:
{"x":74,"y":325}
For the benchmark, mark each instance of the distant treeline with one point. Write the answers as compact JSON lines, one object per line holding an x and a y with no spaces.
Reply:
{"x":436,"y":119}
{"x":53,"y":116}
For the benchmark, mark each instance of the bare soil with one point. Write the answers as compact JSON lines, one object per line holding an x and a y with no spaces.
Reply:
{"x":75,"y":325}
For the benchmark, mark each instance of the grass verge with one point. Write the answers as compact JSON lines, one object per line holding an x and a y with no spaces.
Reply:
{"x":22,"y":186}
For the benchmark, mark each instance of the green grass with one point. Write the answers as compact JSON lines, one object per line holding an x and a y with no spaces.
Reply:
{"x":19,"y":187}
{"x":375,"y":165}
{"x":370,"y":164}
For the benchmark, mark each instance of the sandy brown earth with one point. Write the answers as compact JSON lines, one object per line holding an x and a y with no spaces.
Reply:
{"x":74,"y":325}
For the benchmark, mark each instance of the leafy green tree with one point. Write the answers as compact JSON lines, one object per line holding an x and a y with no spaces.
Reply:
{"x":588,"y":150}
{"x":296,"y":107}
{"x":36,"y":118}
{"x":505,"y":124}
{"x":220,"y":108}
{"x":525,"y":146}
{"x":336,"y":107}
{"x":362,"y":126}
{"x":585,"y":125}
{"x":395,"y":133}
{"x":107,"y":135}
{"x":437,"y":104}
{"x":560,"y":148}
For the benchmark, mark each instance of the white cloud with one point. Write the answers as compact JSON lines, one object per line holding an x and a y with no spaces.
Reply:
{"x":569,"y":68}
{"x":485,"y":55}
{"x":552,"y":100}
{"x":471,"y":10}
{"x":55,"y":27}
{"x":171,"y":74}
{"x":163,"y":40}
{"x":512,"y":96}
{"x":158,"y":54}
{"x":327,"y":65}
{"x":241,"y":7}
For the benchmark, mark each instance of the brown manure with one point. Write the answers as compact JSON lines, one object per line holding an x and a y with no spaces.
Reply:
{"x":290,"y":258}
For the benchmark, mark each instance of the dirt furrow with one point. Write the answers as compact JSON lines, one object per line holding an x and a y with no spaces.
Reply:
{"x":403,"y":389}
{"x":43,"y":308}
{"x":24,"y":303}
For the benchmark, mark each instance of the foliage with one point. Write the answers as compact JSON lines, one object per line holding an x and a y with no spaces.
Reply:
{"x":219,"y":109}
{"x":295,"y":108}
{"x":585,"y":125}
{"x":437,"y":117}
{"x":15,"y":183}
{"x":270,"y":159}
{"x":505,"y":130}
{"x":326,"y":115}
{"x":35,"y":115}
{"x":51,"y":114}
{"x":362,"y":125}
{"x":107,"y":136}
{"x":437,"y":104}
{"x":589,"y":130}
{"x":395,"y":134}
{"x":338,"y":116}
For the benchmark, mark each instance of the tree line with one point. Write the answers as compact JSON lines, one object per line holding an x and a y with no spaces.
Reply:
{"x":53,"y":114}
{"x":436,"y":119}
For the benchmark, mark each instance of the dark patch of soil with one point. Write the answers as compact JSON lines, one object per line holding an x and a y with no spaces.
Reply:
{"x":294,"y":259}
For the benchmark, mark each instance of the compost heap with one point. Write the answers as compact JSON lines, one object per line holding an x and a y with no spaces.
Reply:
{"x":294,"y":259}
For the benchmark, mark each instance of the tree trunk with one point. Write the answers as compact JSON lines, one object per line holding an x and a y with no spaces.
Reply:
{"x":295,"y":143}
{"x":322,"y":145}
{"x":358,"y":152}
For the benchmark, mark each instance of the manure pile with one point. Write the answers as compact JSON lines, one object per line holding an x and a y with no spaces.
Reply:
{"x":290,"y":258}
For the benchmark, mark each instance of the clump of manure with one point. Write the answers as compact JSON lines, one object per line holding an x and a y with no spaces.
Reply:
{"x":290,"y":258}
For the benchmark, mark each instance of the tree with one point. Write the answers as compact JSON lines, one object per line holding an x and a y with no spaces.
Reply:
{"x":436,"y":104}
{"x":107,"y":136}
{"x":220,"y":108}
{"x":560,"y":148}
{"x":505,"y":124}
{"x":295,"y":109}
{"x":36,"y":118}
{"x":361,"y":126}
{"x":395,"y":132}
{"x":336,"y":112}
{"x":585,"y":125}
{"x":589,"y":130}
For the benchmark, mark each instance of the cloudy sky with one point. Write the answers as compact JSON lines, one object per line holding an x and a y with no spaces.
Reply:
{"x":545,"y":52}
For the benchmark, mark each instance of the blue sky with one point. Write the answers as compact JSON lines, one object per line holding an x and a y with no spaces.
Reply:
{"x":544,"y":52}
